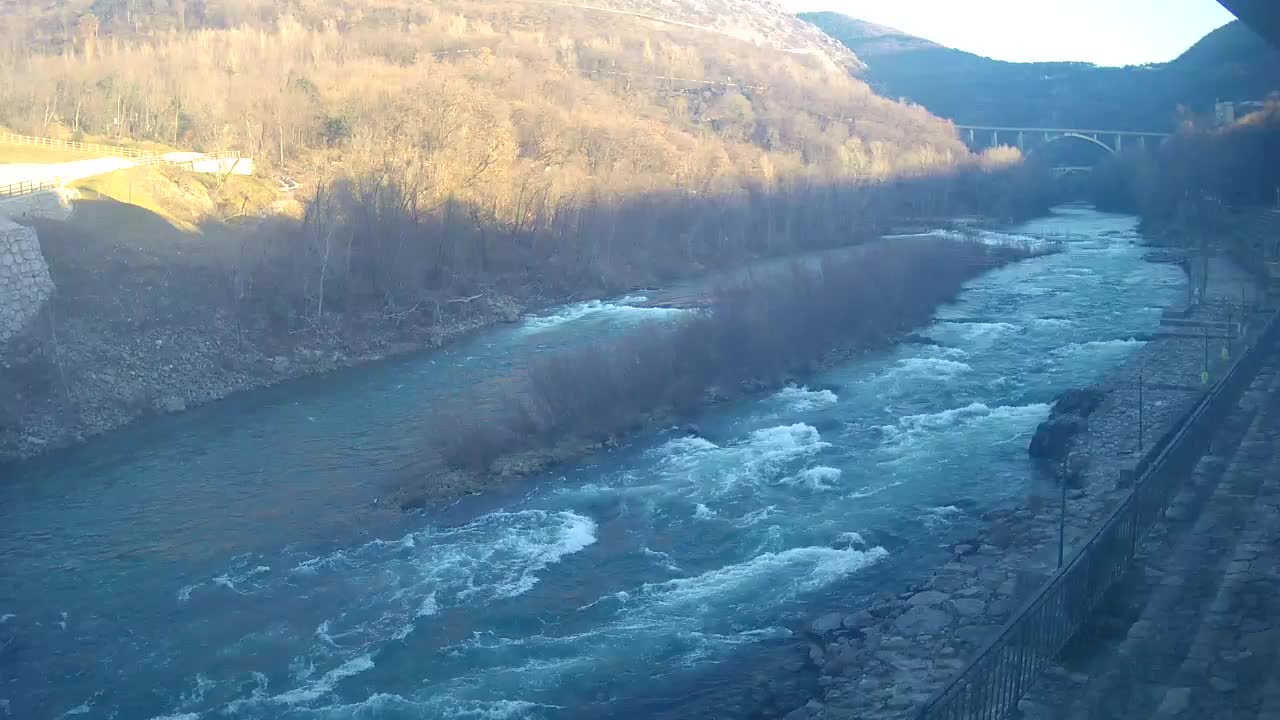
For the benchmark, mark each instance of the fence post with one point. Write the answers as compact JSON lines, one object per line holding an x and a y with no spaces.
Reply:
{"x":1062,"y":517}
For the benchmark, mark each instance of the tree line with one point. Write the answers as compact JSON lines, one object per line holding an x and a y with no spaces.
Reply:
{"x":1236,"y":166}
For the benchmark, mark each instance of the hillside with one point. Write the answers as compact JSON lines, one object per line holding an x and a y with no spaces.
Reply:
{"x":541,"y":79}
{"x":456,"y":162}
{"x":1231,"y":63}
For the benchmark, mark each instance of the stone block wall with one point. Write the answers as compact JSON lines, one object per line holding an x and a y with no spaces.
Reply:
{"x":25,"y":284}
{"x":55,"y":204}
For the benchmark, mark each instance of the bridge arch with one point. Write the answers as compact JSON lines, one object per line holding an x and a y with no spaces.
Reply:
{"x":1075,"y":136}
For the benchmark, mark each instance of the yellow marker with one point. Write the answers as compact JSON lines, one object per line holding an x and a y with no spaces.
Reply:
{"x":1225,"y":354}
{"x":1204,"y":378}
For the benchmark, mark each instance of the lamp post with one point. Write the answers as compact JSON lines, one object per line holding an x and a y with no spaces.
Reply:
{"x":1140,"y":411}
{"x":1062,"y":516}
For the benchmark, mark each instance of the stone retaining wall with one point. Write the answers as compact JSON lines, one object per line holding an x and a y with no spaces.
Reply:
{"x":25,"y":283}
{"x":54,"y":204}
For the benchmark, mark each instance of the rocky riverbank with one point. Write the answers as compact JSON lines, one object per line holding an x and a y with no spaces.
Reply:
{"x":892,"y":652}
{"x":84,"y":374}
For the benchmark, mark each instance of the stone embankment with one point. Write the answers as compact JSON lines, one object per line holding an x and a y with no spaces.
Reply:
{"x":882,"y":658}
{"x":25,"y":284}
{"x":1194,"y":631}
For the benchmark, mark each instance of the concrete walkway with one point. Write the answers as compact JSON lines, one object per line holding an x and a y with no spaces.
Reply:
{"x":58,"y":173}
{"x":1194,"y":632}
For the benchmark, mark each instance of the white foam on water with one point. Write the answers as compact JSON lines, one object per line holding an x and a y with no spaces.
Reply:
{"x":682,"y":619}
{"x":761,"y":458}
{"x":326,"y":683}
{"x":302,"y":669}
{"x":913,"y":429}
{"x":943,"y":515}
{"x":377,"y":706}
{"x":917,"y":369}
{"x":1094,"y":346}
{"x":202,"y":686}
{"x":874,"y":490}
{"x":790,"y":573}
{"x":755,"y":517}
{"x":322,"y":632}
{"x":703,"y":646}
{"x":178,"y":716}
{"x":678,"y":448}
{"x":851,"y":540}
{"x":802,"y":399}
{"x":184,"y":593}
{"x":625,"y":309}
{"x":622,"y":597}
{"x":428,"y":607}
{"x":1052,"y":322}
{"x":661,"y":559}
{"x":702,"y":512}
{"x":377,"y":593}
{"x":81,"y":709}
{"x":241,"y":578}
{"x":962,"y":334}
{"x":817,"y":479}
{"x":496,"y":710}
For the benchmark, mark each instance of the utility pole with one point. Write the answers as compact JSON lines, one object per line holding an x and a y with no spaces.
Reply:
{"x":1206,"y":354}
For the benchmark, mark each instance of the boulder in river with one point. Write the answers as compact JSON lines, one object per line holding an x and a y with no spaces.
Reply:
{"x":1054,"y":437}
{"x":1079,"y":401}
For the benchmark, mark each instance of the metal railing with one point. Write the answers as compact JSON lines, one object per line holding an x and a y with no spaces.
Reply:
{"x":29,"y":187}
{"x":997,"y":677}
{"x":105,"y":150}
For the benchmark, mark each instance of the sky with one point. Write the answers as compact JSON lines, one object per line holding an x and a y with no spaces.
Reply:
{"x":1105,"y":32}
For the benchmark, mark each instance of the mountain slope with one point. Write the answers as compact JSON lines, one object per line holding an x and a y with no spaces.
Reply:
{"x":742,"y":80}
{"x":1231,"y":63}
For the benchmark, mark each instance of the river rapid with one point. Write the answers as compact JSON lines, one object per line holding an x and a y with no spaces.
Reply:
{"x":237,"y":562}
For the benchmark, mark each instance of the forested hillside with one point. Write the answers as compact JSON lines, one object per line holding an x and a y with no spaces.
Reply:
{"x":702,"y":97}
{"x":458,"y":160}
{"x":493,"y":121}
{"x":1231,"y":63}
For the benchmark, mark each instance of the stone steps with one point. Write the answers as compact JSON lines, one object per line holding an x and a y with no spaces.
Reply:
{"x":1182,"y":567}
{"x":1230,"y":664}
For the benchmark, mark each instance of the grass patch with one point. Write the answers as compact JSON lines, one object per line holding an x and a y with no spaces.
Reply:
{"x":183,"y":198}
{"x":148,"y":188}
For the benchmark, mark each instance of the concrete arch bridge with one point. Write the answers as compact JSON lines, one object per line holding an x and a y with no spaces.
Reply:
{"x":1031,"y":140}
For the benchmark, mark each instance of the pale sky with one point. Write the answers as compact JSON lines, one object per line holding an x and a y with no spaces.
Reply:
{"x":1106,"y":32}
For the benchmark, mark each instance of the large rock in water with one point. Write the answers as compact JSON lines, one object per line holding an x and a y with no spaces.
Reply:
{"x":1054,"y":437}
{"x":1079,"y":401}
{"x":1052,"y":440}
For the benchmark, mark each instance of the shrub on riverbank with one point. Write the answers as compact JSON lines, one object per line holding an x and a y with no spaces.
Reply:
{"x":758,"y":333}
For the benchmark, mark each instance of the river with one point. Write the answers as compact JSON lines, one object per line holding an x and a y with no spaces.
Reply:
{"x":236,"y":561}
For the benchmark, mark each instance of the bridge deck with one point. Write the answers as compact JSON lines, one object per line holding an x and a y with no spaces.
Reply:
{"x":1123,"y":133}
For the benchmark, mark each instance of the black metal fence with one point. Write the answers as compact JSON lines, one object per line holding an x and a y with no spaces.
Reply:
{"x":998,"y":676}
